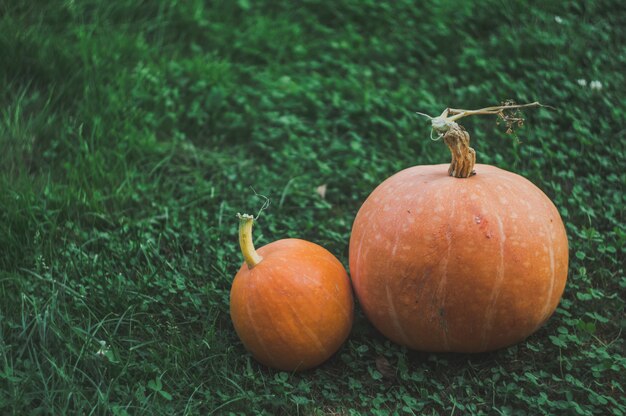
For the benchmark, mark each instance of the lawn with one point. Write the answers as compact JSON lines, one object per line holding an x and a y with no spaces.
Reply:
{"x":132,"y":132}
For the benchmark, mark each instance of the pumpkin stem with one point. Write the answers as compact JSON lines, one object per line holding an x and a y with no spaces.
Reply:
{"x":250,"y":255}
{"x":457,"y":139}
{"x":463,"y":156}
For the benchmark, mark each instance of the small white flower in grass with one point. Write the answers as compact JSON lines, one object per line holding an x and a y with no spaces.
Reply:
{"x":103,"y":349}
{"x":558,"y":19}
{"x":321,"y":191}
{"x":582,"y":82}
{"x":595,"y":85}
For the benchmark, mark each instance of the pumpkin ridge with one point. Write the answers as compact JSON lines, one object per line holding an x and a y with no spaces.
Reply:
{"x":393,"y":314}
{"x":332,"y":298}
{"x":368,"y":230}
{"x":253,"y":323}
{"x":315,"y":339}
{"x":277,"y":316}
{"x":354,"y":273}
{"x":441,"y":289}
{"x":550,"y":232}
{"x":497,"y":287}
{"x":511,"y":178}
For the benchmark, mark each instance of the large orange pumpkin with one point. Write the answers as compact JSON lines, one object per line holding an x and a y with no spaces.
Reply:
{"x":291,"y":302}
{"x":468,"y":258}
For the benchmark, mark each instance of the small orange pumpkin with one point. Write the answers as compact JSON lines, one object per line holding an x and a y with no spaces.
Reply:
{"x":291,"y":302}
{"x":468,"y":258}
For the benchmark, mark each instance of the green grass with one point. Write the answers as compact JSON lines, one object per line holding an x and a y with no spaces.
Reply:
{"x":131,"y":133}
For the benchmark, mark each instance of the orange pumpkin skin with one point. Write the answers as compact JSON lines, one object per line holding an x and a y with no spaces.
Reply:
{"x":295,"y":308}
{"x":465,"y":265}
